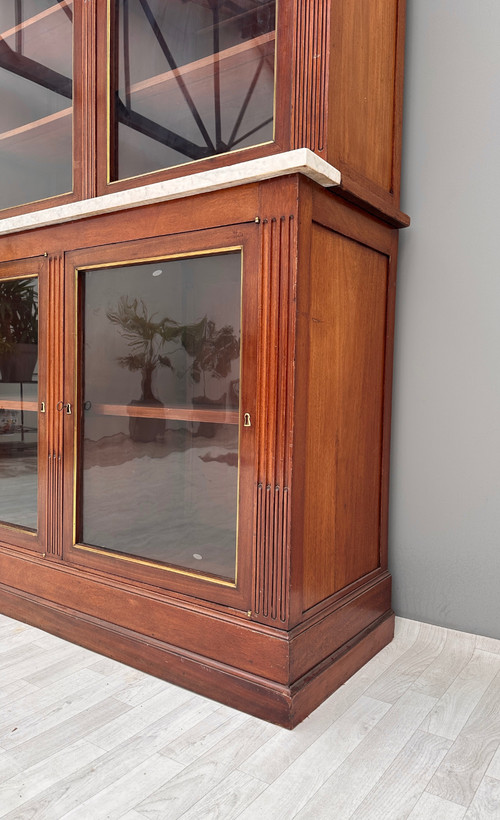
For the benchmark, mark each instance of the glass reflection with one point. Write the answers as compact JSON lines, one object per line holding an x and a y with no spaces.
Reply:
{"x":19,"y":402}
{"x":36,"y":92}
{"x":195,"y":78}
{"x":161,"y":411}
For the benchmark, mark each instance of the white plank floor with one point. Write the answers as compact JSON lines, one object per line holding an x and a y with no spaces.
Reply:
{"x":414,"y":734}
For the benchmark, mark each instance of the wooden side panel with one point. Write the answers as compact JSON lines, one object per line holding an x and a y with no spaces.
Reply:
{"x":343,"y":330}
{"x":309,"y":115}
{"x":364,"y":118}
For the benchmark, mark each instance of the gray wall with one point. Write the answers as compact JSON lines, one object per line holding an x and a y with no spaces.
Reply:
{"x":445,"y":484}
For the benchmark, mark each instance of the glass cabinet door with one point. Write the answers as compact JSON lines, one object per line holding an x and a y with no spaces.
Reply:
{"x":188,"y":79}
{"x":36,"y":111}
{"x":22,"y":491}
{"x":160,"y":418}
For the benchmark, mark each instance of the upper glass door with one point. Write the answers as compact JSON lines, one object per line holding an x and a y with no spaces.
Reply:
{"x":21,"y":365}
{"x":188,"y":79}
{"x":36,"y":111}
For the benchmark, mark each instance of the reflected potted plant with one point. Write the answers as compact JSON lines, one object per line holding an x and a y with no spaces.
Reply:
{"x":213,"y":351}
{"x":147,"y":338}
{"x":18,"y":329}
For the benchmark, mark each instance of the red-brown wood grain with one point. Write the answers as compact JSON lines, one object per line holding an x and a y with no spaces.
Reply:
{"x":365,"y":95}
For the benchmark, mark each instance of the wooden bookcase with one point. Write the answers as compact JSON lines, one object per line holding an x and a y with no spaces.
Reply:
{"x":229,"y":532}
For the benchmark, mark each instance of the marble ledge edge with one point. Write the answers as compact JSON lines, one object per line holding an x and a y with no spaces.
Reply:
{"x":300,"y":160}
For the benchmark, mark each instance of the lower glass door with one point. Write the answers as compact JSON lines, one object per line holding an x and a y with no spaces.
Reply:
{"x":159,"y":433}
{"x":21,"y":475}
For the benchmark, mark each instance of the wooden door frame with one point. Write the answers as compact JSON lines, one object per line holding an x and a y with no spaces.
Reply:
{"x":12,"y":535}
{"x":283,"y":81}
{"x":237,"y":594}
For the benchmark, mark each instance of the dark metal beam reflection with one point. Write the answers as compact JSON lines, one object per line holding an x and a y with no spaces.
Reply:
{"x":173,"y":65}
{"x":159,"y":133}
{"x":35,"y":72}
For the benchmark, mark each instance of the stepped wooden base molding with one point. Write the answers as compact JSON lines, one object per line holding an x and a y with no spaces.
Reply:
{"x":276,"y":675}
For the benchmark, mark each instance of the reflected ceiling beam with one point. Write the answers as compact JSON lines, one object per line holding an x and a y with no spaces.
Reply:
{"x":34,"y":72}
{"x":158,"y":132}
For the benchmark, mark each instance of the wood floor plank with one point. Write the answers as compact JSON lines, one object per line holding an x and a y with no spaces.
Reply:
{"x":300,"y":781}
{"x":486,"y":802}
{"x":430,"y":807}
{"x":167,"y":698}
{"x":122,"y":795}
{"x":59,"y":669}
{"x":401,"y":786}
{"x":229,"y":798}
{"x":281,"y":750}
{"x":106,"y":666}
{"x":152,"y":750}
{"x":8,"y":767}
{"x":457,"y":651}
{"x":21,"y":654}
{"x":348,"y":786}
{"x":398,"y":678}
{"x":494,"y":767}
{"x":25,"y":785}
{"x":14,"y":690}
{"x":39,"y":659}
{"x":48,"y":743}
{"x":49,"y":641}
{"x":137,"y":719}
{"x":13,"y":639}
{"x":202,"y":736}
{"x":63,"y":709}
{"x":9,"y":625}
{"x":39,"y":701}
{"x":71,"y":792}
{"x":206,"y":772}
{"x":463,"y":768}
{"x":406,"y":630}
{"x":488,"y":644}
{"x":142,"y":689}
{"x":452,"y":711}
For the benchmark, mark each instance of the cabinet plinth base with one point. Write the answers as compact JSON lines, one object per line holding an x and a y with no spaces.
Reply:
{"x":285,"y":705}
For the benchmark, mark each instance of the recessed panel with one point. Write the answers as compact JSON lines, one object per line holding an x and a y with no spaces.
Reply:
{"x":345,"y":327}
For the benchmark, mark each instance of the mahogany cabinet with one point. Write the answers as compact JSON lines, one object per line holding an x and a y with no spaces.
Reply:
{"x":195,"y":387}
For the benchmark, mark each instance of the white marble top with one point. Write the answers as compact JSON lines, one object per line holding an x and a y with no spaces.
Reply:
{"x":302,"y":161}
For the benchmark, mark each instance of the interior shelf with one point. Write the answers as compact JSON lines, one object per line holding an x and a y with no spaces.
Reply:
{"x":29,"y":26}
{"x":231,"y":59}
{"x":49,"y":133}
{"x":27,"y":406}
{"x":221,"y":416}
